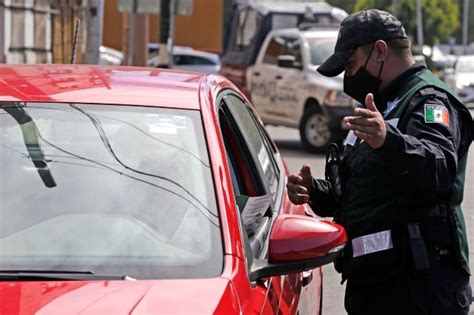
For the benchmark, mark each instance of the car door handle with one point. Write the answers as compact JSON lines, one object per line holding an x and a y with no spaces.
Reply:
{"x":257,"y":74}
{"x":278,"y":77}
{"x":307,"y":277}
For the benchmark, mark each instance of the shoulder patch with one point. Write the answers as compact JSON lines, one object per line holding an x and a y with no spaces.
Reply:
{"x":436,"y":114}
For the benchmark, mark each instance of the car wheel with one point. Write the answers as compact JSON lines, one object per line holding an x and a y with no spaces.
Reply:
{"x":314,"y":130}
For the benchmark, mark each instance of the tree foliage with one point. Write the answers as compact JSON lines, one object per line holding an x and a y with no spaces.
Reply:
{"x":470,"y":31}
{"x":441,"y":18}
{"x":346,"y":5}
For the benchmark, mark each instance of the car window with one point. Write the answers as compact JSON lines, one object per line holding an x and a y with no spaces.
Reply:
{"x":282,"y":45}
{"x":181,"y":60}
{"x":248,"y":24}
{"x":321,"y":49}
{"x":292,"y":47}
{"x":249,"y":182}
{"x":196,"y":60}
{"x":244,"y":177}
{"x":123,"y":190}
{"x":273,"y":50}
{"x":192,"y":60}
{"x":255,"y":140}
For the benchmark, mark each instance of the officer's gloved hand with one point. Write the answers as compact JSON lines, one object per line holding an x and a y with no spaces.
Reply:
{"x":299,"y":185}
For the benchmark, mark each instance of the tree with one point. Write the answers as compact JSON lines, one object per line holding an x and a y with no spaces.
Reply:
{"x":346,"y":5}
{"x":470,"y":29}
{"x":440,"y":17}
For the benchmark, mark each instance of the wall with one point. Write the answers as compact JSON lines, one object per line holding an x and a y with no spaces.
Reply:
{"x":202,"y":30}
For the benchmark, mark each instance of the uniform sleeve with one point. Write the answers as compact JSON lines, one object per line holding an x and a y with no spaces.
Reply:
{"x":427,"y":154}
{"x":322,"y":199}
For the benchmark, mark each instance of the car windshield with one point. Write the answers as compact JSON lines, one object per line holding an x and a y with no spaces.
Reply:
{"x":121,"y":190}
{"x":321,"y":49}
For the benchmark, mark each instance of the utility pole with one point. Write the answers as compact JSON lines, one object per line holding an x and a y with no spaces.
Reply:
{"x":131,"y":33}
{"x":465,"y":23}
{"x":172,"y":32}
{"x":93,"y":15}
{"x":2,"y":35}
{"x":419,"y":23}
{"x":163,"y":54}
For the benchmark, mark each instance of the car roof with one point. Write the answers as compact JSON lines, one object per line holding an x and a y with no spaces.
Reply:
{"x":100,"y":85}
{"x":288,"y":7}
{"x":308,"y":33}
{"x":193,"y":52}
{"x":466,"y":57}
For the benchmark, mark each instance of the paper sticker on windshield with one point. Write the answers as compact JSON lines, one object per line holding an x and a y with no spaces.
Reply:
{"x":166,"y":124}
{"x":436,"y":114}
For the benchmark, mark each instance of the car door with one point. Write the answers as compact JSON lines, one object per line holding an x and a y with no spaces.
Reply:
{"x":258,"y":171}
{"x":265,"y":77}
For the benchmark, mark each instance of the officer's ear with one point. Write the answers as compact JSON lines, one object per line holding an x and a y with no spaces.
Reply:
{"x":381,"y":50}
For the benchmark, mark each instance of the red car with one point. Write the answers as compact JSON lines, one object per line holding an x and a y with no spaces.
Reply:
{"x":143,"y":191}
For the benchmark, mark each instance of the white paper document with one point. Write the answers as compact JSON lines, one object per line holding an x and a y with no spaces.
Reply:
{"x":252,"y":209}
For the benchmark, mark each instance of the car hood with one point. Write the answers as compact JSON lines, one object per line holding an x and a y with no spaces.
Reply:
{"x":119,"y":297}
{"x":330,"y":83}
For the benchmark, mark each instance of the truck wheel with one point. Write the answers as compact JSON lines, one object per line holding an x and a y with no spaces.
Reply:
{"x":314,"y":130}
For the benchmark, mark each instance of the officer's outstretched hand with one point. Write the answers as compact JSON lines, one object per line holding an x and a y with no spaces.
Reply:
{"x":368,"y":124}
{"x":299,"y":185}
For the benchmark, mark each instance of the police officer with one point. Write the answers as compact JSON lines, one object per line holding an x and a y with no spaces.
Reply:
{"x":403,"y":170}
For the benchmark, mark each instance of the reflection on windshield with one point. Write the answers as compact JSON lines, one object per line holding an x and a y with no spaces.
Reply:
{"x":31,"y":139}
{"x":133,"y":192}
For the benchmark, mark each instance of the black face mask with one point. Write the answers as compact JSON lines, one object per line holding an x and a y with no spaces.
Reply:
{"x":359,"y":85}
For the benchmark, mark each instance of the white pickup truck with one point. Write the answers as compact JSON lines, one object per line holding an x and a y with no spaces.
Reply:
{"x":286,"y":89}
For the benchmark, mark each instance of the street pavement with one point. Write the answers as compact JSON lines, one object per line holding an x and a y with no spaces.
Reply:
{"x":288,"y":141}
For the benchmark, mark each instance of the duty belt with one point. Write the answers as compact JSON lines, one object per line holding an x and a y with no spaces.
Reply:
{"x":424,"y":237}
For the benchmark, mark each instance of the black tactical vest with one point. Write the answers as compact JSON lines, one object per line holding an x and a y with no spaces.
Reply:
{"x":374,"y":200}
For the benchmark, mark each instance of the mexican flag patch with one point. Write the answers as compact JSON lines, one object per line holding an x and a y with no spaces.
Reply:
{"x":436,"y":114}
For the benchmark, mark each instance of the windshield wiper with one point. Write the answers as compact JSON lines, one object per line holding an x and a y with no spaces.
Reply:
{"x":31,"y":138}
{"x":41,"y":275}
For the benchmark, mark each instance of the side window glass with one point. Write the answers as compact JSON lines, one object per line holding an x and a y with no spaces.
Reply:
{"x":196,"y":60}
{"x":274,"y":49}
{"x":292,"y":47}
{"x":253,"y":169}
{"x":244,"y":179}
{"x":255,"y":141}
{"x":180,"y":60}
{"x":248,"y":24}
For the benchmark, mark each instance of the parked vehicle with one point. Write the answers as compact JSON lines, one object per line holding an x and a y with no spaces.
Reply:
{"x":461,"y":79}
{"x":287,"y":90}
{"x":186,"y":58}
{"x":440,"y":59}
{"x":110,"y":56}
{"x":251,"y":22}
{"x":145,"y":191}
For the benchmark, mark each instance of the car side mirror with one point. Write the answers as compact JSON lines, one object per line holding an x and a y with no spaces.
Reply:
{"x":288,"y":61}
{"x":299,"y":243}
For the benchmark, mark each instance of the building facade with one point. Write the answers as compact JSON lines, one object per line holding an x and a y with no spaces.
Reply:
{"x":44,"y":31}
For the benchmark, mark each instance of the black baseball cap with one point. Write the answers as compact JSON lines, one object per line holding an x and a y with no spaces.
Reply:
{"x":359,"y":29}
